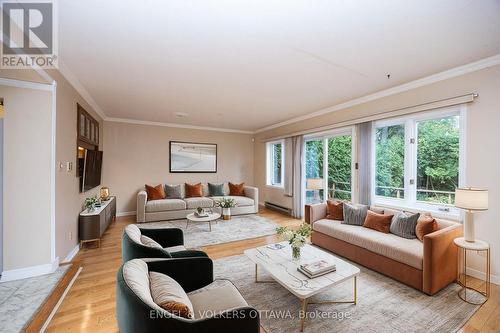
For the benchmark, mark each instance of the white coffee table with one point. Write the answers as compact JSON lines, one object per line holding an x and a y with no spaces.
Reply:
{"x":283,"y":270}
{"x":210,"y":218}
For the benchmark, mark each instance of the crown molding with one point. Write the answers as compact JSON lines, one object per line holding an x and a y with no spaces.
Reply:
{"x":77,"y":85}
{"x":27,"y":84}
{"x":155,"y":123}
{"x":448,"y":74}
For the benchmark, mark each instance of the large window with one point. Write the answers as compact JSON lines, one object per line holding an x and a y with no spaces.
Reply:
{"x":314,"y":157}
{"x":417,"y":160}
{"x":275,"y":158}
{"x":390,"y":161}
{"x":328,"y":166}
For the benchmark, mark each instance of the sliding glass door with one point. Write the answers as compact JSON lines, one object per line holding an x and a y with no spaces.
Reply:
{"x":329,"y":166}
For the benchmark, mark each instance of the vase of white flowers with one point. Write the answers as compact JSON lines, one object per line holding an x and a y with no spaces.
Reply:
{"x":90,"y":203}
{"x":297,"y":239}
{"x":226,"y":204}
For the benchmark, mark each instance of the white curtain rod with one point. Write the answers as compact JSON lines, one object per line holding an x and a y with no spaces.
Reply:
{"x":467,"y":98}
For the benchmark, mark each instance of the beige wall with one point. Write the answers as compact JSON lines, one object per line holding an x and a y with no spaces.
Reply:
{"x":483,"y":137}
{"x":27,"y":177}
{"x":135,"y":155}
{"x":69,"y":200}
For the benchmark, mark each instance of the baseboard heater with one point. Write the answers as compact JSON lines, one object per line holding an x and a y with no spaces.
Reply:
{"x":279,"y":208}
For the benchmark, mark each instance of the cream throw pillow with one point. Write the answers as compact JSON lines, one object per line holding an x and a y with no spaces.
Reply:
{"x":145,"y":240}
{"x":169,"y":295}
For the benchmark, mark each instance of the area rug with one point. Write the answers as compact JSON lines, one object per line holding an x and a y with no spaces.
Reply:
{"x":21,"y":299}
{"x":384,"y":305}
{"x":237,"y":228}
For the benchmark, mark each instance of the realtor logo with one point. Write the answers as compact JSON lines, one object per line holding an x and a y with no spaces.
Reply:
{"x":29,"y":34}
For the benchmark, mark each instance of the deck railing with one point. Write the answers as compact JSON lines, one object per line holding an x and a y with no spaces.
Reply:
{"x":400,"y":190}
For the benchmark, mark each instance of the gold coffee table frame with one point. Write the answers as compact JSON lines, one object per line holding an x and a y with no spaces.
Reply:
{"x":304,"y":302}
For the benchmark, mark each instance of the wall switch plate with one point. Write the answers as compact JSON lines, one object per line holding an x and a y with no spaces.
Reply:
{"x":70,"y":235}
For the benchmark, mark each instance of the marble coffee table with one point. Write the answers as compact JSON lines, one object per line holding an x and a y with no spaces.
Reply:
{"x":283,"y":270}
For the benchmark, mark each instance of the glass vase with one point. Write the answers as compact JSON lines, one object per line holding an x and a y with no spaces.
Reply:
{"x":295,"y":253}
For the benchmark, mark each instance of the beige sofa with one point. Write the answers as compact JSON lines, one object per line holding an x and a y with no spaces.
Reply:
{"x":427,"y":266}
{"x":173,"y":209}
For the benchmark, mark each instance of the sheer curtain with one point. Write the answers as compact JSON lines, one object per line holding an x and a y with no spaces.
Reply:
{"x":297,"y":152}
{"x":288,"y":181}
{"x":365,"y":161}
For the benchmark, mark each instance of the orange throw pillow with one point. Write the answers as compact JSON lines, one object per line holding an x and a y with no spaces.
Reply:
{"x":237,"y":189}
{"x":378,"y":222}
{"x":335,"y":210}
{"x":193,"y":191}
{"x":425,"y":225}
{"x":178,"y":309}
{"x":155,"y":193}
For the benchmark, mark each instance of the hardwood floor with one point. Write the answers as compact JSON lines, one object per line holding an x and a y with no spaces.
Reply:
{"x":89,"y":306}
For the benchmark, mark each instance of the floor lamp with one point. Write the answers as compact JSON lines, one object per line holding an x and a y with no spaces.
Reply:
{"x":470,"y":199}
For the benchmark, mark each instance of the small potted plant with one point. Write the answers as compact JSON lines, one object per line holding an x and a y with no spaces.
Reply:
{"x":226,"y":204}
{"x":200,"y":212}
{"x":297,"y":239}
{"x":90,"y":203}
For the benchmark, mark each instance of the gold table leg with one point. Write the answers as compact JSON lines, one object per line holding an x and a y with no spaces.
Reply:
{"x":486,"y":292}
{"x":306,"y":302}
{"x":303,"y":313}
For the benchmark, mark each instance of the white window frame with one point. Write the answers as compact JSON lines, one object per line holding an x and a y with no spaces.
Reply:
{"x":351,"y":130}
{"x":409,"y":202}
{"x":270,"y":164}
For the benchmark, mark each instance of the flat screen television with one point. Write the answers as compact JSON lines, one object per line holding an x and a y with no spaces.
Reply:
{"x":92,"y":166}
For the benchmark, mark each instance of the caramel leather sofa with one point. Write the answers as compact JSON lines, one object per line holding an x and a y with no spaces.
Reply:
{"x":428,"y":266}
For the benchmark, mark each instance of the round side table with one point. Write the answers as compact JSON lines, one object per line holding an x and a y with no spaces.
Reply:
{"x":476,"y":246}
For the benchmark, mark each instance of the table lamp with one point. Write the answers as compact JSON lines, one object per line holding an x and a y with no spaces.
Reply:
{"x":470,"y":199}
{"x":315,"y":184}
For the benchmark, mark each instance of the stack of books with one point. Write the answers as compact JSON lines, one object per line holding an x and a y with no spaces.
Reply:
{"x":203,"y":214}
{"x":316,"y":268}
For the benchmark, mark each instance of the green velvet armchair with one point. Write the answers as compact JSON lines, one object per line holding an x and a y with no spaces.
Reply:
{"x":170,"y":244}
{"x":136,"y":312}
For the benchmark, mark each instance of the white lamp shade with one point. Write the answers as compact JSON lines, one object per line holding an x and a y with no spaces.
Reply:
{"x":471,"y":198}
{"x":314,"y":183}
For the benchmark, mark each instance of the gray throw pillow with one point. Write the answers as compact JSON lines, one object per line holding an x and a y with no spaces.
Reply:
{"x":216,"y":190}
{"x":404,"y":226}
{"x":173,"y":191}
{"x":354,"y":214}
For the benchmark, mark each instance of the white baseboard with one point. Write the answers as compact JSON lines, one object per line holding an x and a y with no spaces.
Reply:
{"x":71,"y":254}
{"x":27,"y":272}
{"x":59,"y":302}
{"x":482,"y":275}
{"x":125,"y":214}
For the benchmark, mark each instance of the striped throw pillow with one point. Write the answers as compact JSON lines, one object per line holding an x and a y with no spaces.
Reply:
{"x":404,"y":226}
{"x":354,"y":214}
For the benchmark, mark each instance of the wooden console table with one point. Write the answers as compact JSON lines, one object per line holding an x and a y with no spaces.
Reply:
{"x":92,"y":225}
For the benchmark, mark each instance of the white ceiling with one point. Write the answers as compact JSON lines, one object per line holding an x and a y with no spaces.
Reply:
{"x":248,"y":64}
